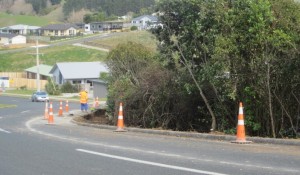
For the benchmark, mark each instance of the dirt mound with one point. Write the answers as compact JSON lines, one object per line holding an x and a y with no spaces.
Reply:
{"x":97,"y":117}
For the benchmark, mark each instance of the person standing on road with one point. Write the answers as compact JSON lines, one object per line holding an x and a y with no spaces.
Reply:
{"x":83,"y":100}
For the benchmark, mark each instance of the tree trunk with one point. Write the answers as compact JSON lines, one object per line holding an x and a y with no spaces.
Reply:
{"x":270,"y":101}
{"x":213,"y":117}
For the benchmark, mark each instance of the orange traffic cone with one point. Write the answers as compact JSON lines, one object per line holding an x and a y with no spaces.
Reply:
{"x":67,"y":106}
{"x":241,"y":136}
{"x":50,"y":118}
{"x":97,"y":102}
{"x":60,"y":112}
{"x":46,"y":115}
{"x":120,"y":125}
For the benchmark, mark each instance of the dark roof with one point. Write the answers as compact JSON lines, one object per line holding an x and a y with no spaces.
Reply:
{"x":7,"y":35}
{"x":59,"y":27}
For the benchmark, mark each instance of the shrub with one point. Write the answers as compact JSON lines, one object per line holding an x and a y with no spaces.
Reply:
{"x":68,"y":88}
{"x":132,"y":28}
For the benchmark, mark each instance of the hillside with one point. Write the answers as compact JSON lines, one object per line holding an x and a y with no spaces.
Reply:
{"x":56,"y":11}
{"x":11,"y":19}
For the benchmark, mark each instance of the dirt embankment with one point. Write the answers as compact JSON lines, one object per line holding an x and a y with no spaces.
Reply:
{"x":97,"y":117}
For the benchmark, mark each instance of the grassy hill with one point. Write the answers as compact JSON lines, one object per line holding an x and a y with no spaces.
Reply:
{"x":17,"y":62}
{"x":10,"y":19}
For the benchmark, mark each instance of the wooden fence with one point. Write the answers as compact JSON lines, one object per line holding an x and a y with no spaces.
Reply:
{"x":19,"y":80}
{"x":13,"y":74}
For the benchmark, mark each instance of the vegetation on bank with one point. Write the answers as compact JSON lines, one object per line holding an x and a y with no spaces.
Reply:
{"x":213,"y":55}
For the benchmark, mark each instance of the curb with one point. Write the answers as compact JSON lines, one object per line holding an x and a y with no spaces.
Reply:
{"x":227,"y":138}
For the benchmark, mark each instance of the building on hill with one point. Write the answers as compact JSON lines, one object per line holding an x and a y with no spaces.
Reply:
{"x":20,"y":29}
{"x":59,"y":30}
{"x":7,"y":39}
{"x":145,"y":22}
{"x":31,"y":73}
{"x":103,"y":26}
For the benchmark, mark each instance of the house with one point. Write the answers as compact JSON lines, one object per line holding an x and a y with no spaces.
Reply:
{"x":144,"y":22}
{"x":6,"y":39}
{"x":103,"y":26}
{"x":59,"y":30}
{"x":21,"y":29}
{"x":31,"y":73}
{"x":77,"y":72}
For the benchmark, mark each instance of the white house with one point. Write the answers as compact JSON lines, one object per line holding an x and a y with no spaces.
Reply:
{"x":21,"y":29}
{"x":144,"y":22}
{"x":12,"y":39}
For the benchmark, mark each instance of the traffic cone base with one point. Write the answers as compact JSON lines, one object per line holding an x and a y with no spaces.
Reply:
{"x":241,"y":135}
{"x":120,"y":124}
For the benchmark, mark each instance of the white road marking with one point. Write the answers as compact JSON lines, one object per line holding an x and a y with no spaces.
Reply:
{"x":2,"y":130}
{"x":150,"y":163}
{"x":28,"y":125}
{"x":25,"y":111}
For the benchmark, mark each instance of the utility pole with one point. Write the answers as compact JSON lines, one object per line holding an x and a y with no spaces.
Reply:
{"x":38,"y":85}
{"x":37,"y":66}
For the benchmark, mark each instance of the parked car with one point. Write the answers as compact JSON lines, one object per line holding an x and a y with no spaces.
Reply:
{"x":39,"y":96}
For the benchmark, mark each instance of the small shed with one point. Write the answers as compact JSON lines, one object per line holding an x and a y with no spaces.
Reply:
{"x":7,"y":38}
{"x":99,"y":89}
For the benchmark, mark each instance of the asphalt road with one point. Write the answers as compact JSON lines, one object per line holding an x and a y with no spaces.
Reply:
{"x":29,"y":146}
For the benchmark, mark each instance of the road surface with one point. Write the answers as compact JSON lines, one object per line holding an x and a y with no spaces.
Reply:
{"x":30,"y":146}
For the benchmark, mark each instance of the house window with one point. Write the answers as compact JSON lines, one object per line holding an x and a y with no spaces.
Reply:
{"x":62,"y":33}
{"x":71,"y":32}
{"x":141,"y":21}
{"x":56,"y":33}
{"x":76,"y":81}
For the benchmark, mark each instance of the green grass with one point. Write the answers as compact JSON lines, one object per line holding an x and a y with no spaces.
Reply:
{"x":20,"y":92}
{"x":17,"y":62}
{"x":10,"y":19}
{"x":142,"y":37}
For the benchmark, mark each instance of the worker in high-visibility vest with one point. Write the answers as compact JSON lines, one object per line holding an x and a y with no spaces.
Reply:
{"x":83,"y":100}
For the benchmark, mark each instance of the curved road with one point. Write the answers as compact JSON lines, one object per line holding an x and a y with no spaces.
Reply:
{"x":30,"y":146}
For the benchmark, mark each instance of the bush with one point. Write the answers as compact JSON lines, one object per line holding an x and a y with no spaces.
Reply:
{"x":132,"y":28}
{"x":52,"y":88}
{"x":68,"y":88}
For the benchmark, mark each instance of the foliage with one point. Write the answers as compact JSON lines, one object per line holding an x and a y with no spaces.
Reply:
{"x":52,"y":88}
{"x":233,"y":51}
{"x":67,"y":87}
{"x":132,"y":28}
{"x":151,"y":98}
{"x":95,"y":17}
{"x":117,"y":7}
